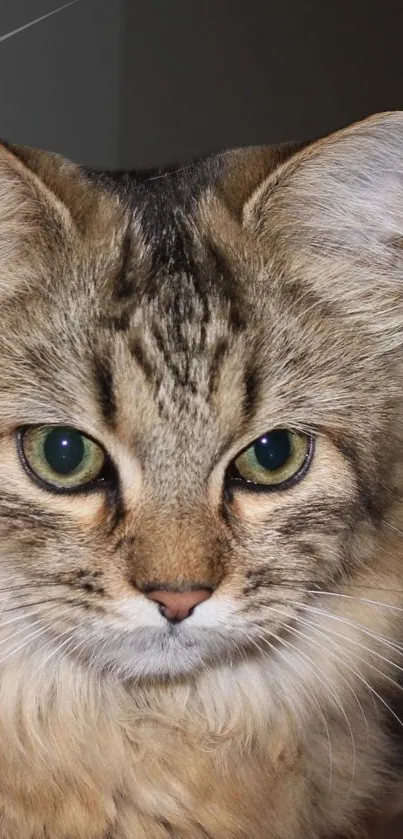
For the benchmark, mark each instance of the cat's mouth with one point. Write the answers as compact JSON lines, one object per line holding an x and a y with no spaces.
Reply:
{"x":161,"y":649}
{"x":132,"y":639}
{"x":174,"y":651}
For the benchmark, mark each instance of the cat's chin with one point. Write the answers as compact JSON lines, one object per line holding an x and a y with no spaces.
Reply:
{"x":133,"y":640}
{"x":174,"y":653}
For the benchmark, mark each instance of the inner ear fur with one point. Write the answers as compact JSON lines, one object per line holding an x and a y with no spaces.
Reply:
{"x":332,"y":216}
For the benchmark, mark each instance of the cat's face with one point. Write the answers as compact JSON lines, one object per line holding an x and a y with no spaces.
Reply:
{"x":196,"y":396}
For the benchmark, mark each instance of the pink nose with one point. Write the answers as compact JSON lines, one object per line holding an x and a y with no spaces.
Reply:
{"x":178,"y":605}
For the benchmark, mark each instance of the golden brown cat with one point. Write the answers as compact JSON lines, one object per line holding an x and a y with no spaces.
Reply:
{"x":201,"y":513}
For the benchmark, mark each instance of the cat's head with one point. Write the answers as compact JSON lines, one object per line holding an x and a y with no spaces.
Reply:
{"x":199,"y":396}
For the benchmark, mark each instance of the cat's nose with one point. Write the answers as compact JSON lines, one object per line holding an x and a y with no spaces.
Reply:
{"x":178,"y":605}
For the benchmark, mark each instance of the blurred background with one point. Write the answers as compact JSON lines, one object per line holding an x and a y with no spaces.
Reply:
{"x":124,"y":83}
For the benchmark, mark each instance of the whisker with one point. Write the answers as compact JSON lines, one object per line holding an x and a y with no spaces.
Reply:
{"x":27,"y":614}
{"x":356,"y":674}
{"x":354,"y":597}
{"x":348,"y":622}
{"x":325,"y":634}
{"x":285,"y":584}
{"x":17,"y":600}
{"x":372,"y":587}
{"x":29,"y":585}
{"x":343,"y":678}
{"x":311,"y":695}
{"x":37,"y":20}
{"x":333,"y":692}
{"x":63,"y":644}
{"x":339,"y":704}
{"x":392,"y":527}
{"x":41,"y":630}
{"x":393,"y":645}
{"x":375,"y":693}
{"x":35,"y":603}
{"x":357,"y":644}
{"x":182,"y":168}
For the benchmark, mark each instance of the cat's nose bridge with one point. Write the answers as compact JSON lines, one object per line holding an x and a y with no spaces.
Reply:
{"x":176,"y":557}
{"x":178,"y":605}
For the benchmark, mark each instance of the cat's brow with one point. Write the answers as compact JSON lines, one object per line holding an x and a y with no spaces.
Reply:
{"x":37,"y":20}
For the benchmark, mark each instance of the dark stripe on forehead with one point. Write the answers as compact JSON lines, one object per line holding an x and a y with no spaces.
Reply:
{"x":118,"y":322}
{"x":103,"y":378}
{"x":224,"y":283}
{"x":252,"y":390}
{"x":171,"y":244}
{"x":165,"y":201}
{"x":123,"y":287}
{"x":184,"y":303}
{"x":180,"y":249}
{"x":166,"y":205}
{"x":219,"y":354}
{"x":139,"y":355}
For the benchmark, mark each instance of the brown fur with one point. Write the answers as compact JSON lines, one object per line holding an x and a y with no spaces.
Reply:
{"x":175,"y":318}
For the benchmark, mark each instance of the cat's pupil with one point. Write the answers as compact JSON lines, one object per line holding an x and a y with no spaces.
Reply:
{"x":64,"y":450}
{"x":273,"y":450}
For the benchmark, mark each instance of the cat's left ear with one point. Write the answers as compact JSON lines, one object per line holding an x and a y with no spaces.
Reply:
{"x":333,"y":214}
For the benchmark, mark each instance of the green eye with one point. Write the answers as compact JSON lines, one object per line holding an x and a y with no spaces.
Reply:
{"x":61,"y":457}
{"x":274,"y":461}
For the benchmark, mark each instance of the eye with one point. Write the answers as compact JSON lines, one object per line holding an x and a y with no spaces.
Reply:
{"x":274,"y":461}
{"x":60,"y":457}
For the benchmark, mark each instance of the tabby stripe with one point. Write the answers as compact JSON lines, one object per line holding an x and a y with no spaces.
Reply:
{"x":104,"y":383}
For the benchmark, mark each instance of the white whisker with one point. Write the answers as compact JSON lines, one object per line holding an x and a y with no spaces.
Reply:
{"x":393,"y":527}
{"x":184,"y":168}
{"x":357,"y":644}
{"x":26,"y":613}
{"x":31,"y":585}
{"x":23,"y":628}
{"x":317,"y":610}
{"x":41,"y":630}
{"x":28,"y":25}
{"x":343,"y":678}
{"x":25,"y":605}
{"x":311,"y":695}
{"x":61,"y":646}
{"x":356,"y":674}
{"x":333,"y":693}
{"x":338,"y":702}
{"x":354,"y":597}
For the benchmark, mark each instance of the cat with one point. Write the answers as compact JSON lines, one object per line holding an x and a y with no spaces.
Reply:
{"x":201,"y":579}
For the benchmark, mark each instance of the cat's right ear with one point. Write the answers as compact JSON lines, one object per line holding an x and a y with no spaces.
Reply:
{"x":47,"y":203}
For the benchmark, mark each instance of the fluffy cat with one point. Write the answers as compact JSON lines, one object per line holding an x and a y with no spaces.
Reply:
{"x":201,"y":581}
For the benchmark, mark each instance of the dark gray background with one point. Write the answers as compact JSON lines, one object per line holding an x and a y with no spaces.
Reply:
{"x":60,"y":79}
{"x":203,"y":75}
{"x":129,"y":83}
